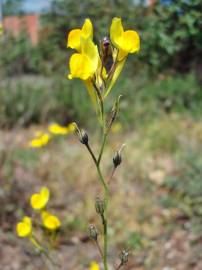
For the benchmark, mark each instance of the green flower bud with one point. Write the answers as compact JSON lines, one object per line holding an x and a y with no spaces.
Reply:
{"x":99,"y":206}
{"x":93,"y":233}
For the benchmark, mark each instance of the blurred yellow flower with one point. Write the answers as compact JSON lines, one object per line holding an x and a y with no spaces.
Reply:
{"x":56,"y":129}
{"x":39,"y":200}
{"x":94,"y":266}
{"x":75,"y":35}
{"x":24,"y":228}
{"x":50,"y":221}
{"x":41,"y":140}
{"x":71,"y":127}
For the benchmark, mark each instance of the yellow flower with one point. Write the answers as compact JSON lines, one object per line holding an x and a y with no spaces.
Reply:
{"x":24,"y":228}
{"x":50,"y":221}
{"x":58,"y":130}
{"x":83,"y":65}
{"x":41,"y":140}
{"x":74,"y":37}
{"x":94,"y":266}
{"x":126,"y":41}
{"x":39,"y":200}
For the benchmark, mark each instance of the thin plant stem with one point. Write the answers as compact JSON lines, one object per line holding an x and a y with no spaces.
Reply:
{"x":111,"y":175}
{"x":102,"y":180}
{"x":99,"y":172}
{"x":102,"y":147}
{"x":119,"y":267}
{"x":104,"y":222}
{"x":41,"y":249}
{"x":106,"y":199}
{"x":91,"y":153}
{"x":99,"y":248}
{"x":100,"y":100}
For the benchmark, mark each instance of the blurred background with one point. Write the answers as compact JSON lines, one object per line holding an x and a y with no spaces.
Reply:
{"x":156,"y":205}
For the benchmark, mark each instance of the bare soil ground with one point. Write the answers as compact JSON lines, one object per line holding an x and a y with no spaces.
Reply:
{"x":159,"y":238}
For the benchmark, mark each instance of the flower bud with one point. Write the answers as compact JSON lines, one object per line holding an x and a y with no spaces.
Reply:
{"x":124,"y":256}
{"x":117,"y":159}
{"x":99,"y":206}
{"x":105,"y":49}
{"x":83,"y":137}
{"x":93,"y":233}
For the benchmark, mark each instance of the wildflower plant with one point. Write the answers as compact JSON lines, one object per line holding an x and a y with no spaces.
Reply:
{"x":99,"y":67}
{"x":44,"y":221}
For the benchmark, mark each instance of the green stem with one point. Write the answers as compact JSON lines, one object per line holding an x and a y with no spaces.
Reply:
{"x":106,"y":199}
{"x":36,"y":243}
{"x":104,"y":222}
{"x":99,"y":248}
{"x":102,"y":147}
{"x":41,"y":249}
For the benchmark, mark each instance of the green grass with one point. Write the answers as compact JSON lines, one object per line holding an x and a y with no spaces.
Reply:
{"x":36,"y":99}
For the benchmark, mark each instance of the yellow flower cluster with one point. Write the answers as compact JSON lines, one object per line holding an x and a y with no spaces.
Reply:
{"x":91,"y":66}
{"x":43,"y":138}
{"x":38,"y":202}
{"x":40,"y":140}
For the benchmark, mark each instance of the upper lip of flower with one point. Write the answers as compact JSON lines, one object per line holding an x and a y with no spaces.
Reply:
{"x":39,"y":200}
{"x":74,"y":37}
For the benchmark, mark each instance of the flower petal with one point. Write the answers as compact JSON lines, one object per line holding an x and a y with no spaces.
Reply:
{"x":73,"y":40}
{"x":130,"y":41}
{"x":116,"y":31}
{"x":80,"y":67}
{"x":87,"y":29}
{"x":94,"y":266}
{"x":56,"y":129}
{"x":50,"y":221}
{"x":39,"y":200}
{"x":45,"y":194}
{"x":91,"y":51}
{"x":24,"y":228}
